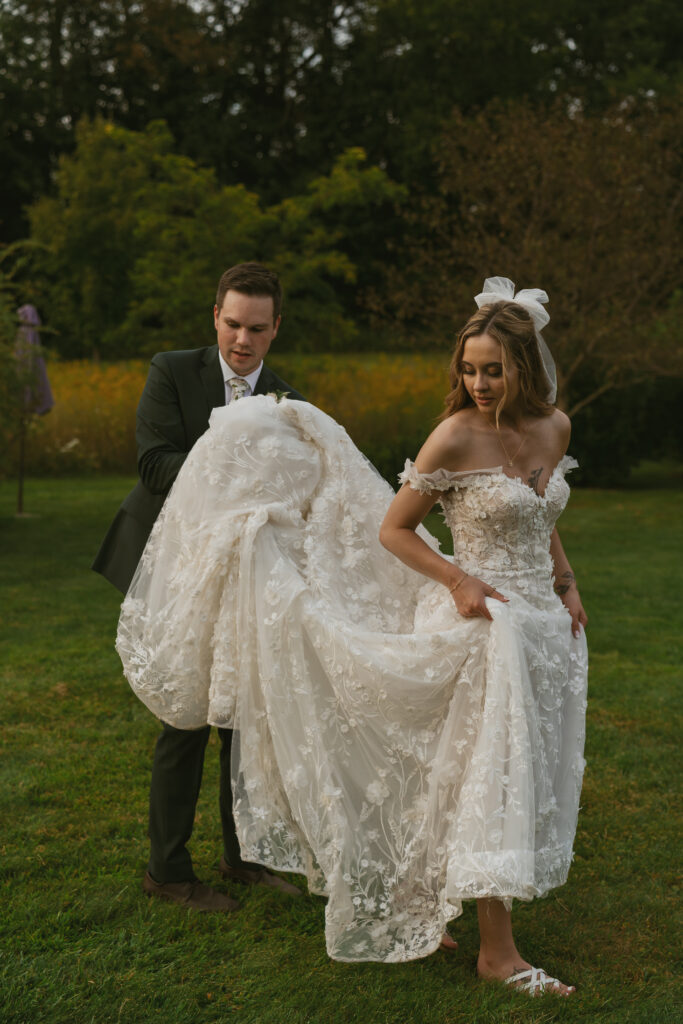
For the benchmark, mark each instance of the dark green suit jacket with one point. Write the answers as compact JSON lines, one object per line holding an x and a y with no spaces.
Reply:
{"x":181,"y":390}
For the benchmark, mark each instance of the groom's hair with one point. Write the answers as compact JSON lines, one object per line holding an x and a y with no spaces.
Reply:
{"x":251,"y":279}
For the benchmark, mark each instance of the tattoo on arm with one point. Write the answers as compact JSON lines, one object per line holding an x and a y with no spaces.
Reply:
{"x":564,"y":583}
{"x":534,"y":478}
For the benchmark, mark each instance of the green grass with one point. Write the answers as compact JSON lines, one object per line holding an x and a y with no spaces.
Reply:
{"x":81,"y":944}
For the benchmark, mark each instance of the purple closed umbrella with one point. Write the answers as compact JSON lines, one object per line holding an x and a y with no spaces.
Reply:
{"x":37,"y":394}
{"x":39,"y":398}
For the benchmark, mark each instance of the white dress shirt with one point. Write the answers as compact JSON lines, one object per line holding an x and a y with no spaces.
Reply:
{"x":228,"y":373}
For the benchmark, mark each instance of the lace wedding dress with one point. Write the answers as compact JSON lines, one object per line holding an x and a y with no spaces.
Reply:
{"x":400,"y":756}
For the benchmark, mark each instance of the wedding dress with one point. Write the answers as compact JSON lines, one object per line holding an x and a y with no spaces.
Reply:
{"x":401,"y":757}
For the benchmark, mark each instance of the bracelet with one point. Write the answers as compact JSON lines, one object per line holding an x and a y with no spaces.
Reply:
{"x":462,"y":579}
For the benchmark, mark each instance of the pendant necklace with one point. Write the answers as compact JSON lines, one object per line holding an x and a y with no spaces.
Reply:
{"x":510,"y":459}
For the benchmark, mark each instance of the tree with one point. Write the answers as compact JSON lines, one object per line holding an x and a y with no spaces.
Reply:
{"x":89,"y":232}
{"x":270,"y":92}
{"x":138,"y":236}
{"x":589,"y":208}
{"x":309,"y":239}
{"x":123,"y":61}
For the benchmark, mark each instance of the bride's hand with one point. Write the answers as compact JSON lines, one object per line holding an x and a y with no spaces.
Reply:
{"x":469,"y":596}
{"x":572,"y":602}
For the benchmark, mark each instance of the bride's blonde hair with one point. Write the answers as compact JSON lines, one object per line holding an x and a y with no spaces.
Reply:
{"x":511,"y":326}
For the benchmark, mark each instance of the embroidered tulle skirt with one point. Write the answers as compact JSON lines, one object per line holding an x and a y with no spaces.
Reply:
{"x":399,"y":756}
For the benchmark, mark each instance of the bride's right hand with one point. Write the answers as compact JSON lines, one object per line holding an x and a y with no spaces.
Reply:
{"x":470,"y":595}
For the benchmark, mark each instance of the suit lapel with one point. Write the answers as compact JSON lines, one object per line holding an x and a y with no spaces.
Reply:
{"x":267,"y":382}
{"x":212,"y":378}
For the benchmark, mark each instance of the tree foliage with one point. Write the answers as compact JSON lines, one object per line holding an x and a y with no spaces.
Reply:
{"x":590,"y":208}
{"x":154,"y":142}
{"x":137,"y":237}
{"x":270,"y":92}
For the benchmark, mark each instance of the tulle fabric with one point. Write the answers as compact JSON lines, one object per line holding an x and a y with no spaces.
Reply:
{"x":401,"y":757}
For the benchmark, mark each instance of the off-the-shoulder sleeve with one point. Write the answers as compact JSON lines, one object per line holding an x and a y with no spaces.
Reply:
{"x":440,"y":479}
{"x":567,"y":464}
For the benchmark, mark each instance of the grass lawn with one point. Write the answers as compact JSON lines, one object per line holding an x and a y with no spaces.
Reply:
{"x":81,"y":943}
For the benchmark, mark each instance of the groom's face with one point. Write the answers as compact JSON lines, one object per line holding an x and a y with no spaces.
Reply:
{"x":244,"y":329}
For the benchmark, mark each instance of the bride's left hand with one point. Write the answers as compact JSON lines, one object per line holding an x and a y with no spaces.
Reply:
{"x":572,"y":602}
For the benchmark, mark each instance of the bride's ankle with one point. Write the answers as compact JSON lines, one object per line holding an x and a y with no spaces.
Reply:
{"x":500,"y":965}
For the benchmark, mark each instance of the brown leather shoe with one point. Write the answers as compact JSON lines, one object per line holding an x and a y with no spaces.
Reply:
{"x":190,"y":895}
{"x":259,"y":876}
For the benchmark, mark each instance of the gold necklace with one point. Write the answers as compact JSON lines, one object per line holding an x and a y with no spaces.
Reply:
{"x":510,"y":459}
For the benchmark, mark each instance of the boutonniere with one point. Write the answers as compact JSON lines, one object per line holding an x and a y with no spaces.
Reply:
{"x":278,"y":395}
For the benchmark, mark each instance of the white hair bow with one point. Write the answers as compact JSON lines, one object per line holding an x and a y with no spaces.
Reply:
{"x":502,"y":289}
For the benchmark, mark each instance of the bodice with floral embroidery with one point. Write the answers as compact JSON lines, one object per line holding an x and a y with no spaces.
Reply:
{"x":501,"y":528}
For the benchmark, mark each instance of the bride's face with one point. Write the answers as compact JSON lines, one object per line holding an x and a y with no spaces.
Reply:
{"x":483,"y":374}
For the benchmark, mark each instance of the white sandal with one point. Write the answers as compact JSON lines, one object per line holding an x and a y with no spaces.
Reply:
{"x":536,"y":982}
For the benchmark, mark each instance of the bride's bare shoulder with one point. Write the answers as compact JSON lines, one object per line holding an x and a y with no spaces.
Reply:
{"x":447,"y":444}
{"x":560,"y":424}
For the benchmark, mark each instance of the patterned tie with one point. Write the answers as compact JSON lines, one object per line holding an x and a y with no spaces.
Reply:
{"x":239,"y":387}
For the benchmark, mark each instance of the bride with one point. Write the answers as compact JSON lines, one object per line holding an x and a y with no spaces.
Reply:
{"x":409,"y":730}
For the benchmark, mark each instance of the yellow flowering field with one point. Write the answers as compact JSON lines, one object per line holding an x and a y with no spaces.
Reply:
{"x":92,"y":423}
{"x":388,"y":404}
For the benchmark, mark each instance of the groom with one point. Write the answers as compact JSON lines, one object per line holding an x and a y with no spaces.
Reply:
{"x":181,"y":390}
